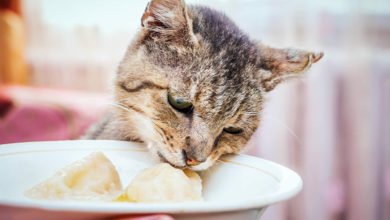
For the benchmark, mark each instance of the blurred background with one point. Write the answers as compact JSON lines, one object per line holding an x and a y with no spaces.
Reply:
{"x":58,"y":58}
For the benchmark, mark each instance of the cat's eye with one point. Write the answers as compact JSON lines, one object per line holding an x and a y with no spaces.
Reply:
{"x":180,"y":104}
{"x":233,"y":130}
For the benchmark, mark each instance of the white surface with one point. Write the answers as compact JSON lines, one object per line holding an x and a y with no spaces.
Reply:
{"x":241,"y":185}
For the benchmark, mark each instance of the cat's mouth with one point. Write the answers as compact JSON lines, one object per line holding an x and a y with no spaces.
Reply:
{"x":183,"y":165}
{"x":165,"y":160}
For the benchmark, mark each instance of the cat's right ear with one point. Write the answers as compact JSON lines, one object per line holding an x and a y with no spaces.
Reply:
{"x":167,"y":19}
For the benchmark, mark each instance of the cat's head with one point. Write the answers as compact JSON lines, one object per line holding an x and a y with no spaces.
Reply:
{"x":192,"y":84}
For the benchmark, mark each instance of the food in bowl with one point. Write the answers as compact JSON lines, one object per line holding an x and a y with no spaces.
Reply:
{"x":164,"y":183}
{"x":96,"y":178}
{"x":91,"y":178}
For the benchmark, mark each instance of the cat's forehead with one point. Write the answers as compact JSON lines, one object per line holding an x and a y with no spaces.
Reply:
{"x":221,"y":37}
{"x":204,"y":81}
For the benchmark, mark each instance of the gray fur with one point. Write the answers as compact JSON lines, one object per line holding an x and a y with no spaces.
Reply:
{"x":201,"y":56}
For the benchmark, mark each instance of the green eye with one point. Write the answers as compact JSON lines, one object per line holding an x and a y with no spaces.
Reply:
{"x":180,"y":104}
{"x":233,"y":130}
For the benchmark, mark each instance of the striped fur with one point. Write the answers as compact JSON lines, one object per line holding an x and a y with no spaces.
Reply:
{"x":201,"y":56}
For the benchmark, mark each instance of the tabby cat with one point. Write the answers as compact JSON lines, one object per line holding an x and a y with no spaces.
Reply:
{"x":191,"y":85}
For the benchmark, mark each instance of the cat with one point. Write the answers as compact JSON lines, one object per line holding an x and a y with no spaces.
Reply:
{"x":192,"y":85}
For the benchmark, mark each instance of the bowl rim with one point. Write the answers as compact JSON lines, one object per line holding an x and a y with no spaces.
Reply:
{"x":289,"y":185}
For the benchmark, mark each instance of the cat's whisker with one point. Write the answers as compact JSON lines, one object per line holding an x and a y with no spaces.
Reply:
{"x":121,"y":100}
{"x":124,"y":107}
{"x":290,"y":131}
{"x":121,"y":106}
{"x":117,"y":102}
{"x":158,"y":129}
{"x":218,"y":161}
{"x":251,"y":113}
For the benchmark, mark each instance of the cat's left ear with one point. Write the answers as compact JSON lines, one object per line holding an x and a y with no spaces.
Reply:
{"x":284,"y":63}
{"x":167,"y":19}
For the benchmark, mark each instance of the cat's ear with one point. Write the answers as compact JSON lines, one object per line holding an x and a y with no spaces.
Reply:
{"x":284,"y":63}
{"x":167,"y":18}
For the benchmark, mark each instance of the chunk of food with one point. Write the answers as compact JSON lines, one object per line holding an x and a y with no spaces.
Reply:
{"x":91,"y":178}
{"x":164,"y":183}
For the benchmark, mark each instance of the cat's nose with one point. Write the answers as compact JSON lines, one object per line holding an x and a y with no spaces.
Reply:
{"x":190,"y":159}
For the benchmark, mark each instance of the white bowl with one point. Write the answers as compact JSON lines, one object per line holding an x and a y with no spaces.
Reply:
{"x":237,"y":187}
